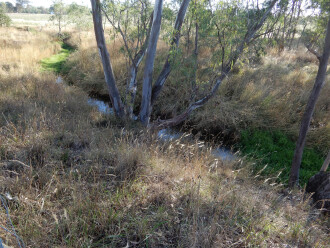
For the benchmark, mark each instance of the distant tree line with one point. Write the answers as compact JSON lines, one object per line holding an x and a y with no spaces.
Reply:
{"x":62,"y":14}
{"x":23,"y":6}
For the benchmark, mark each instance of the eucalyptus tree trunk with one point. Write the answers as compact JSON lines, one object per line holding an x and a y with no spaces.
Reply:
{"x":296,"y":23}
{"x":132,"y":84}
{"x":319,"y":82}
{"x":59,"y":27}
{"x":158,"y":86}
{"x":149,"y":64}
{"x":105,"y":57}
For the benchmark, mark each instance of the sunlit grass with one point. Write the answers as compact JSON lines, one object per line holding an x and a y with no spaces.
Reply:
{"x":92,"y":181}
{"x":22,"y":50}
{"x":30,"y":19}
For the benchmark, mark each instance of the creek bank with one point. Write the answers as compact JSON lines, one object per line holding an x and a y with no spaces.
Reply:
{"x":274,"y":149}
{"x":263,"y":147}
{"x":167,"y":134}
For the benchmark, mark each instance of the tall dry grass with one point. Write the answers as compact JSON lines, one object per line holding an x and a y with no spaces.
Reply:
{"x":269,"y":95}
{"x":22,"y":49}
{"x":75,"y":178}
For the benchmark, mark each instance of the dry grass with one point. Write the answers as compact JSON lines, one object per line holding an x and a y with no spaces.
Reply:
{"x":270,"y":95}
{"x":22,"y":50}
{"x":80,"y":179}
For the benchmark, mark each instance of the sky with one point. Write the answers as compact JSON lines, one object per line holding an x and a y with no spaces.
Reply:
{"x":47,"y":3}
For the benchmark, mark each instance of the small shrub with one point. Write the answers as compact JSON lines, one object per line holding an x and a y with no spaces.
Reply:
{"x":4,"y":19}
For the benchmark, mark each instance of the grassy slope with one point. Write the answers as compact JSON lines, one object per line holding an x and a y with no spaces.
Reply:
{"x":89,"y":181}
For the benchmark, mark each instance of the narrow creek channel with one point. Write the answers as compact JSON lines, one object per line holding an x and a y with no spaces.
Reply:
{"x":167,"y":134}
{"x":55,"y":62}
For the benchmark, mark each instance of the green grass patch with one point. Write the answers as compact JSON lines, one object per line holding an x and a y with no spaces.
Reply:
{"x":276,"y":150}
{"x":56,"y":63}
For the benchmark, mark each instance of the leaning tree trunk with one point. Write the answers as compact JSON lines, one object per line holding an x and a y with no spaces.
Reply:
{"x":105,"y":57}
{"x":149,"y":64}
{"x":326,"y":163}
{"x":157,"y":88}
{"x":319,"y":82}
{"x":250,"y":34}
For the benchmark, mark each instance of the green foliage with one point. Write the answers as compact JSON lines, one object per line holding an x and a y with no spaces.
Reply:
{"x":314,"y":34}
{"x":323,"y":5}
{"x":59,"y":10}
{"x":275,"y":149}
{"x":80,"y":16}
{"x":56,"y":62}
{"x":7,"y":7}
{"x":35,"y":10}
{"x":130,"y":21}
{"x":227,"y":25}
{"x":4,"y":18}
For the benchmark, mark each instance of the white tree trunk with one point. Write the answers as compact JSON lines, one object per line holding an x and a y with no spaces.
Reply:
{"x":149,"y":64}
{"x":174,"y":45}
{"x":105,"y":57}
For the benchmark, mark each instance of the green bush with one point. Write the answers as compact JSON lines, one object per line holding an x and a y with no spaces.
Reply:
{"x":4,"y":19}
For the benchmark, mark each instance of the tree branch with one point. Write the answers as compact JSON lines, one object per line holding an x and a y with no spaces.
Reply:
{"x":158,"y":86}
{"x":235,"y":55}
{"x":121,"y":33}
{"x":311,"y":50}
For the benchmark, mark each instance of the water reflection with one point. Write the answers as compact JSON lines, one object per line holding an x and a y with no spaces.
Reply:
{"x":219,"y":152}
{"x":101,"y":106}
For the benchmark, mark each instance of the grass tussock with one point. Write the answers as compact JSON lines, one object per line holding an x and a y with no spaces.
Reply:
{"x":75,"y":178}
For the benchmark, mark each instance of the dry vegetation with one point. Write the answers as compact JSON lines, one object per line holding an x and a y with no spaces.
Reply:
{"x":81,"y":179}
{"x":22,"y":49}
{"x":271,"y":94}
